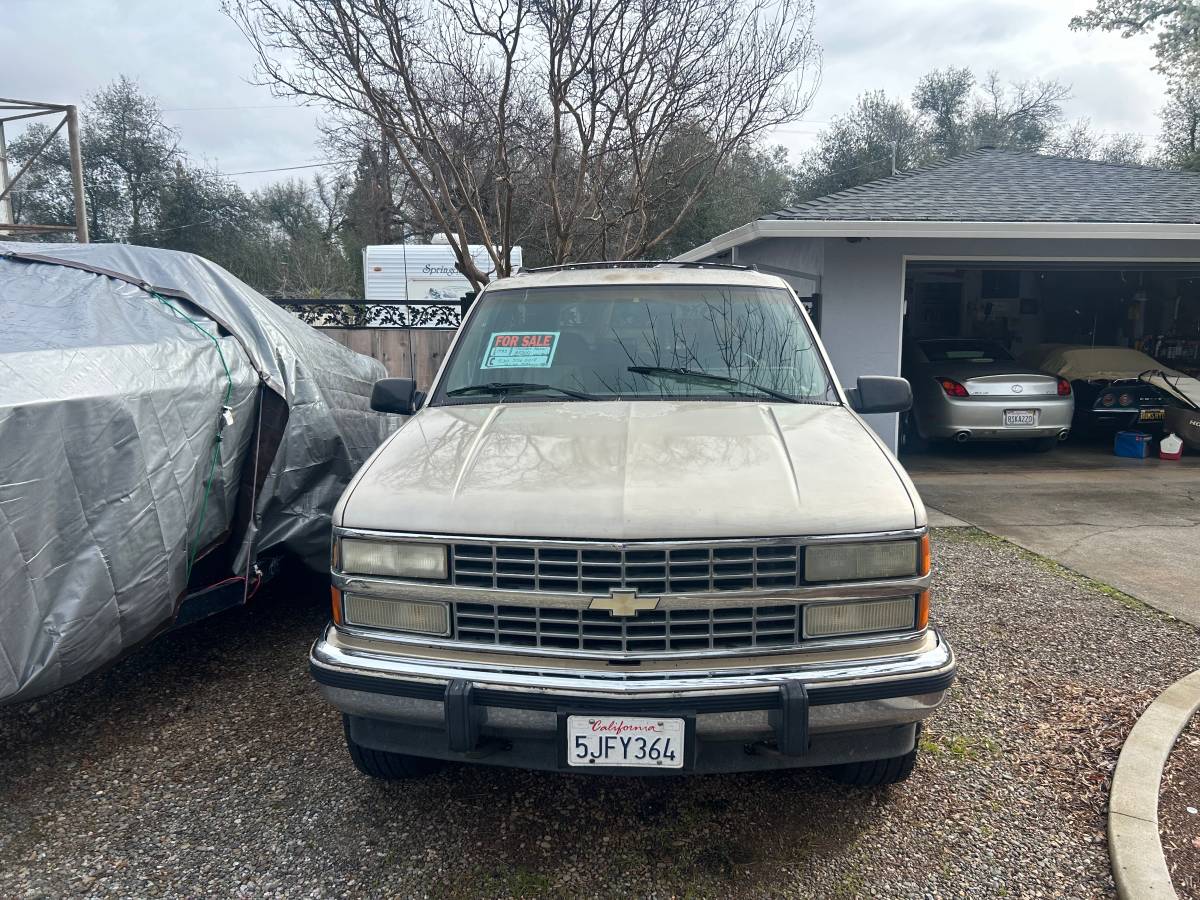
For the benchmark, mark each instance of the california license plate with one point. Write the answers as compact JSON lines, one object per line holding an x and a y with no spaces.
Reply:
{"x":1151,"y":415}
{"x":1019,"y":417}
{"x":625,"y":741}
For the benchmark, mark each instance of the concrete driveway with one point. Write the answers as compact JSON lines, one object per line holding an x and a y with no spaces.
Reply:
{"x":1134,"y":524}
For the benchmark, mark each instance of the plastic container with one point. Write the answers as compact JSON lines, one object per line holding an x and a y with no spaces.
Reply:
{"x":1170,"y":447}
{"x":1134,"y":444}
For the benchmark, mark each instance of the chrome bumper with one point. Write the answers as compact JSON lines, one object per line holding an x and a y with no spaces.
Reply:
{"x":806,"y":714}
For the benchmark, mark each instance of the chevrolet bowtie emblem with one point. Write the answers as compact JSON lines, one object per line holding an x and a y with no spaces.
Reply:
{"x":623,"y":602}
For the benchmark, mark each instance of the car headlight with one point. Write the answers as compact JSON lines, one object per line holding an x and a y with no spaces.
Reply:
{"x":865,"y":562}
{"x":860,"y":617}
{"x":416,"y":616}
{"x":395,"y":559}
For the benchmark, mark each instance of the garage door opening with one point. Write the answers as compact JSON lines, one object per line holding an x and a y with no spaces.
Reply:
{"x":1023,"y":309}
{"x":1021,"y":306}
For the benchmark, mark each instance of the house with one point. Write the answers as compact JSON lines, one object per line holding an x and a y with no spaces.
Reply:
{"x":1017,"y":247}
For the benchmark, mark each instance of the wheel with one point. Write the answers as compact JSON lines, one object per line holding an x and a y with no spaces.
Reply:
{"x":877,"y":772}
{"x":910,"y":436}
{"x":386,"y":765}
{"x":1043,"y":444}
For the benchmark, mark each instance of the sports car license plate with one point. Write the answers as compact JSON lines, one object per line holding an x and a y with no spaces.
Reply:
{"x":1020,"y":417}
{"x":1151,"y":415}
{"x":625,"y":741}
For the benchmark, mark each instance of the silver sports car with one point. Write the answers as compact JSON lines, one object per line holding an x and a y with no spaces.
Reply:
{"x":973,"y":390}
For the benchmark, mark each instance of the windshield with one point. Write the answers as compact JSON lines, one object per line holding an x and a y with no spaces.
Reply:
{"x":636,"y":342}
{"x":964,"y":351}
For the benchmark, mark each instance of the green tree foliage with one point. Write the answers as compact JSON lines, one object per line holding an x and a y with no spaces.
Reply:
{"x":950,"y":112}
{"x":752,"y":182}
{"x":44,"y":193}
{"x":1175,"y":24}
{"x":1180,"y":140}
{"x":140,"y":187}
{"x":1176,"y":27}
{"x":129,"y":153}
{"x":198,"y":211}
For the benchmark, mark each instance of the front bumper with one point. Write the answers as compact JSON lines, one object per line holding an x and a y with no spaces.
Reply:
{"x":773,"y":716}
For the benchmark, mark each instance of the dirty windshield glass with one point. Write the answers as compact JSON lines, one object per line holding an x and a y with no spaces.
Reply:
{"x":636,"y":342}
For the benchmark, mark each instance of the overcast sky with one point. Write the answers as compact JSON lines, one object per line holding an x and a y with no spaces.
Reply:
{"x":194,"y":60}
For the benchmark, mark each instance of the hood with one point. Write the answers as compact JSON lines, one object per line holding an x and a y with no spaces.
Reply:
{"x":632,"y":470}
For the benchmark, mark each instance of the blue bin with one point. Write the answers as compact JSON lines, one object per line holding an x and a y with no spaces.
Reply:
{"x":1134,"y":444}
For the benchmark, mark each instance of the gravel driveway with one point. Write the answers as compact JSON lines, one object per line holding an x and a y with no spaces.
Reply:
{"x":207,"y":765}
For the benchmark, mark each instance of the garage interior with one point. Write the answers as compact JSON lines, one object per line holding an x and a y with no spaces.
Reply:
{"x":1152,"y":308}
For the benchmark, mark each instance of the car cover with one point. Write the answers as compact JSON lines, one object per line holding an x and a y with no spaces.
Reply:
{"x":1093,"y":363}
{"x":162,"y":425}
{"x":1185,"y":390}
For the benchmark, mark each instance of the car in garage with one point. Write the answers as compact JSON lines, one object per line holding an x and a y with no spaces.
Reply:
{"x":636,"y":527}
{"x":1110,"y":393}
{"x":974,"y":390}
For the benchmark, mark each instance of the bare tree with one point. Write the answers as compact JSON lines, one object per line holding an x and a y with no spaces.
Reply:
{"x":579,"y":118}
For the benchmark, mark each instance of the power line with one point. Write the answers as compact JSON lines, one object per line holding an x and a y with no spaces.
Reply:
{"x":316,"y":165}
{"x":208,"y":221}
{"x":224,"y":108}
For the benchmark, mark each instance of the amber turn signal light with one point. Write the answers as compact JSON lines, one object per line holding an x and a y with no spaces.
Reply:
{"x":924,"y":567}
{"x":922,"y":610}
{"x":336,"y":597}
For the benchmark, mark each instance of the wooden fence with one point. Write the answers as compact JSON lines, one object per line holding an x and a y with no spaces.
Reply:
{"x":406,"y":352}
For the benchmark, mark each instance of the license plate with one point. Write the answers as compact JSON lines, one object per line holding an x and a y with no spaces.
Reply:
{"x":1151,"y":415}
{"x":625,"y":741}
{"x":1020,"y":417}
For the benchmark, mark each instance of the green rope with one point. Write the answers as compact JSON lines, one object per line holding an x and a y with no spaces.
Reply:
{"x":215,"y":456}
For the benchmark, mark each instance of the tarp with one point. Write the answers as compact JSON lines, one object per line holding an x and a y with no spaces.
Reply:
{"x":1184,"y":389}
{"x":120,"y":367}
{"x":1093,"y":363}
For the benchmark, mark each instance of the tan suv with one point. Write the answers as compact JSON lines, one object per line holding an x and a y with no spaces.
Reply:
{"x":636,"y":526}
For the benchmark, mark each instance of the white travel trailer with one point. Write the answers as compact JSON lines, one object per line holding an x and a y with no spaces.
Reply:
{"x":420,"y":273}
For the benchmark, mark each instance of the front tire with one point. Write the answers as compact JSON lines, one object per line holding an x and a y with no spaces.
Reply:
{"x":385,"y":765}
{"x":878,"y":772}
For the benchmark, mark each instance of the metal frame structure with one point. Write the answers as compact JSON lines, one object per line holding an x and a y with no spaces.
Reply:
{"x":14,"y":110}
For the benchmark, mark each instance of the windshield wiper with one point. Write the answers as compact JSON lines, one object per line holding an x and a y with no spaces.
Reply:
{"x":500,"y":388}
{"x":697,"y":375}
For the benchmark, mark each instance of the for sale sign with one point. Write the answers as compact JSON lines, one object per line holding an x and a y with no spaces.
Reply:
{"x":520,"y":350}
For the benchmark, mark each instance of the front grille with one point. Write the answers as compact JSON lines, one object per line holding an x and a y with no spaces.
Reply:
{"x":584,"y":570}
{"x":728,"y":628}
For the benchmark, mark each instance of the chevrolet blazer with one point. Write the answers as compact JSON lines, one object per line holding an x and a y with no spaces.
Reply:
{"x":636,"y":526}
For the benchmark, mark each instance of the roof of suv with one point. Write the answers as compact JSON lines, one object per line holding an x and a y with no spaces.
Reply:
{"x":665,"y":273}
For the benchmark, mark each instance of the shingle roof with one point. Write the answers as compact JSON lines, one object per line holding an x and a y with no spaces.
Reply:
{"x":1008,"y":186}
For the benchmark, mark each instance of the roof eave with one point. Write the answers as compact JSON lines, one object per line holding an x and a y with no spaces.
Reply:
{"x":761,"y":229}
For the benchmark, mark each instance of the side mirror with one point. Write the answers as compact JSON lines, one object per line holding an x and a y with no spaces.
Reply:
{"x":396,"y":395}
{"x":881,"y":394}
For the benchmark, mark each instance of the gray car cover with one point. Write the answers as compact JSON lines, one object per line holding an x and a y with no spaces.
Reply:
{"x":162,"y":425}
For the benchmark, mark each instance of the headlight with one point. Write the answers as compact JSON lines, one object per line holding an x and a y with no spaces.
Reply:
{"x":859,"y":617}
{"x":418,"y":616}
{"x":863,"y":562}
{"x":393,"y":558}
